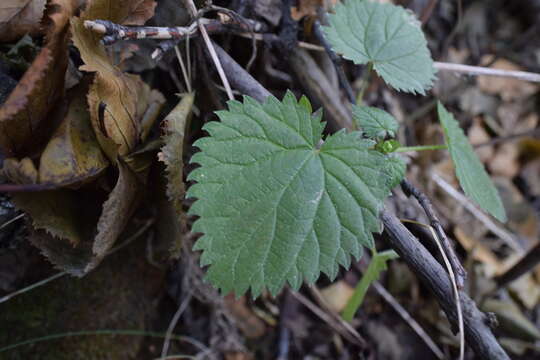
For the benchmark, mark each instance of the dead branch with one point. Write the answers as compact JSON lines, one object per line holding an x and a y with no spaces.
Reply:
{"x":426,"y":204}
{"x":432,"y":274}
{"x":526,"y":264}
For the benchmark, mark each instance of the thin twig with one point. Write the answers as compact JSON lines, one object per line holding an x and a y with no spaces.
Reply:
{"x":426,"y":204}
{"x":366,"y":74}
{"x":191,"y":6}
{"x":526,"y":264}
{"x":287,"y":314}
{"x":510,"y":137}
{"x":187,"y":79}
{"x":241,"y":80}
{"x":346,"y":331}
{"x":32,"y":286}
{"x":116,"y":32}
{"x":506,"y":236}
{"x":428,"y":10}
{"x":60,"y":274}
{"x":479,"y":70}
{"x":11,"y":221}
{"x":408,"y":319}
{"x":166,"y":343}
{"x":336,"y":60}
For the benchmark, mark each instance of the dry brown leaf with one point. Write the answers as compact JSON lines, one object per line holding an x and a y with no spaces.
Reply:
{"x":310,"y":7}
{"x":76,"y":229}
{"x":56,"y":212}
{"x":123,"y":98}
{"x":73,"y":155}
{"x":479,"y":252}
{"x":172,"y":151}
{"x":115,"y":215}
{"x":509,"y":89}
{"x":143,"y":11}
{"x":20,"y":17}
{"x":20,"y":172}
{"x":522,"y":218}
{"x":478,"y":135}
{"x":24,"y":117}
{"x":246,"y":320}
{"x":505,"y":161}
{"x":511,"y":319}
{"x":514,"y":120}
{"x":337,"y":295}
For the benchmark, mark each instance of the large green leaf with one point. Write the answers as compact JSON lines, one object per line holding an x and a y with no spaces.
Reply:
{"x":375,"y":123}
{"x":469,"y":170}
{"x":386,"y":35}
{"x":274,"y":204}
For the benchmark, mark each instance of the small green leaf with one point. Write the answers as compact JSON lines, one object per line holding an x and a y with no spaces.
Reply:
{"x":377,"y":124}
{"x":275,"y":205}
{"x":469,"y":170}
{"x":394,"y":167}
{"x":376,"y":266}
{"x":386,"y":35}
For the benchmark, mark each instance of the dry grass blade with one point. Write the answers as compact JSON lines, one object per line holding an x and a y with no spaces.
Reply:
{"x":191,"y":6}
{"x":452,"y":276}
{"x":183,"y":306}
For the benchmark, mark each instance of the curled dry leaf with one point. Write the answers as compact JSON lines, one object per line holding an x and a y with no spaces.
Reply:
{"x":24,"y":125}
{"x":173,"y":149}
{"x":115,"y":215}
{"x":76,"y":229}
{"x":19,"y":17}
{"x":121,"y":98}
{"x":171,"y":155}
{"x":55,"y":211}
{"x":73,"y":154}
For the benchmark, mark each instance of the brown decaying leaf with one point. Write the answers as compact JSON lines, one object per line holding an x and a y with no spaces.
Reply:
{"x":56,"y":211}
{"x":115,"y":215}
{"x":337,"y":295}
{"x":20,"y":172}
{"x":310,"y":7}
{"x":19,"y":17}
{"x":73,"y":155}
{"x":173,"y":149}
{"x":143,"y":11}
{"x":24,"y":121}
{"x":125,"y":96}
{"x":74,"y":229}
{"x":246,"y":320}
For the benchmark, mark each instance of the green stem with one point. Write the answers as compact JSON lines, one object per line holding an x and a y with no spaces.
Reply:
{"x":376,"y":266}
{"x":420,"y":148}
{"x":364,"y":82}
